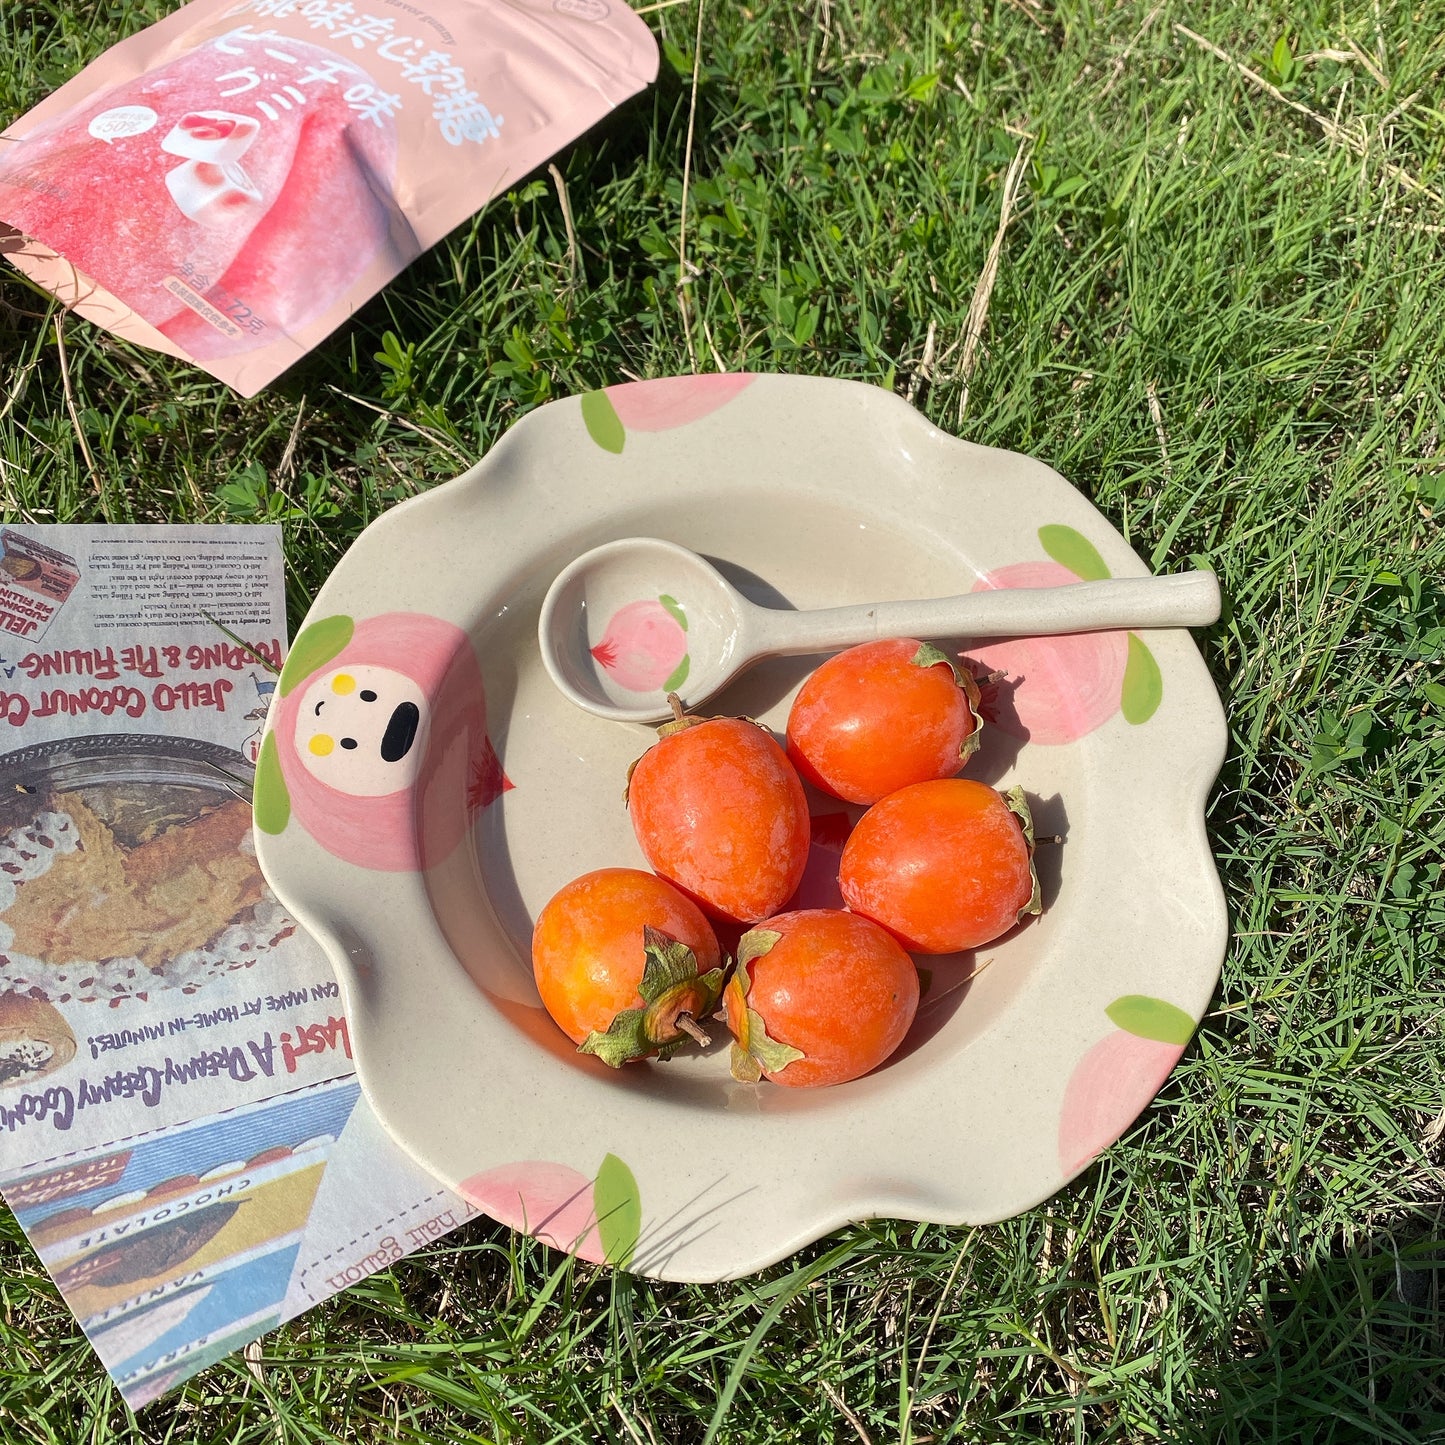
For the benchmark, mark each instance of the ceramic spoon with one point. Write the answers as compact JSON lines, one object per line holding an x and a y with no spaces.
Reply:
{"x":633,"y":620}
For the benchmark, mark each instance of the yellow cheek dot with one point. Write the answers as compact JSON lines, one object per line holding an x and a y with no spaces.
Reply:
{"x":343,"y":683}
{"x":320,"y":745}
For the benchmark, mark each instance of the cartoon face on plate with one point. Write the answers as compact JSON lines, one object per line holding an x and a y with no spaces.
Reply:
{"x":375,"y":740}
{"x":362,"y":730}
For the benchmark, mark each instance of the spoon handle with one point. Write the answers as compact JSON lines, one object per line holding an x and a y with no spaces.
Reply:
{"x":1185,"y":599}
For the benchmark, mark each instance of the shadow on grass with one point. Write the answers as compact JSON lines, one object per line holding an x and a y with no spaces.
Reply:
{"x":1353,"y":1349}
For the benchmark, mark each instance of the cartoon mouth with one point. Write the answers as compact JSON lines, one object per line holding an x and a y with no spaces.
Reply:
{"x":400,"y":732}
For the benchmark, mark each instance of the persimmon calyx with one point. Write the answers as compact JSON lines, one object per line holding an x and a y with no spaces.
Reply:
{"x":930,"y":656}
{"x":674,"y":996}
{"x":681,"y":720}
{"x":753,"y":1052}
{"x":1018,"y":805}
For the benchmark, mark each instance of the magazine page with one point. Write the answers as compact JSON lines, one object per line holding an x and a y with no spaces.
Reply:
{"x":181,"y":1133}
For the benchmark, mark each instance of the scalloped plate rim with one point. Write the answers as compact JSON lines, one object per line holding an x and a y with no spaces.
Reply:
{"x":751,"y":1251}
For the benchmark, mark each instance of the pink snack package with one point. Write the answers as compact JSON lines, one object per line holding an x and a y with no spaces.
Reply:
{"x":229,"y":185}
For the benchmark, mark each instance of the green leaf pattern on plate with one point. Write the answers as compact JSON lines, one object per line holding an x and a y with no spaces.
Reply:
{"x":270,"y":802}
{"x":1151,"y":1018}
{"x":1073,"y":550}
{"x":618,"y":1206}
{"x":1143,"y":686}
{"x":318,"y":644}
{"x":603,"y":424}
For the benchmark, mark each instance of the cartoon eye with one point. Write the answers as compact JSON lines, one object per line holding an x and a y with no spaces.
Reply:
{"x":348,"y":743}
{"x":400,"y":732}
{"x":367,"y":695}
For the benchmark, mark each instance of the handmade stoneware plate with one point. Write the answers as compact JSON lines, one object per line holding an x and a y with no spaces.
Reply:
{"x":423,"y":789}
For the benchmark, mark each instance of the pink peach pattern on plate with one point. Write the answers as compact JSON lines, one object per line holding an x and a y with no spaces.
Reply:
{"x":551,"y":1202}
{"x":1116,"y":1078}
{"x":660,"y":405}
{"x":1055,"y":689}
{"x":644,"y":647}
{"x":596,"y":1219}
{"x":673,"y":400}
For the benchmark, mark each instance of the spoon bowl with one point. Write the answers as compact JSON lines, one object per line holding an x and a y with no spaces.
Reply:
{"x":634,"y":620}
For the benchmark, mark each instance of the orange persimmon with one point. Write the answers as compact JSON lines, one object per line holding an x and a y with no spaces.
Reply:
{"x":942,"y":866}
{"x":880,"y":716}
{"x":624,"y":962}
{"x":818,"y":997}
{"x":719,"y":811}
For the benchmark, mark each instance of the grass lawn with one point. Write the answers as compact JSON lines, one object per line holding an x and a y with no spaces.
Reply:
{"x":1218,"y":309}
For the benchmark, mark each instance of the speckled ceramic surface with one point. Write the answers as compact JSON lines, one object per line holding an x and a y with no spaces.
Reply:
{"x":423,"y":789}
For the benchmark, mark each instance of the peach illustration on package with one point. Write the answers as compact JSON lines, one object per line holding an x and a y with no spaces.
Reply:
{"x":229,"y":185}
